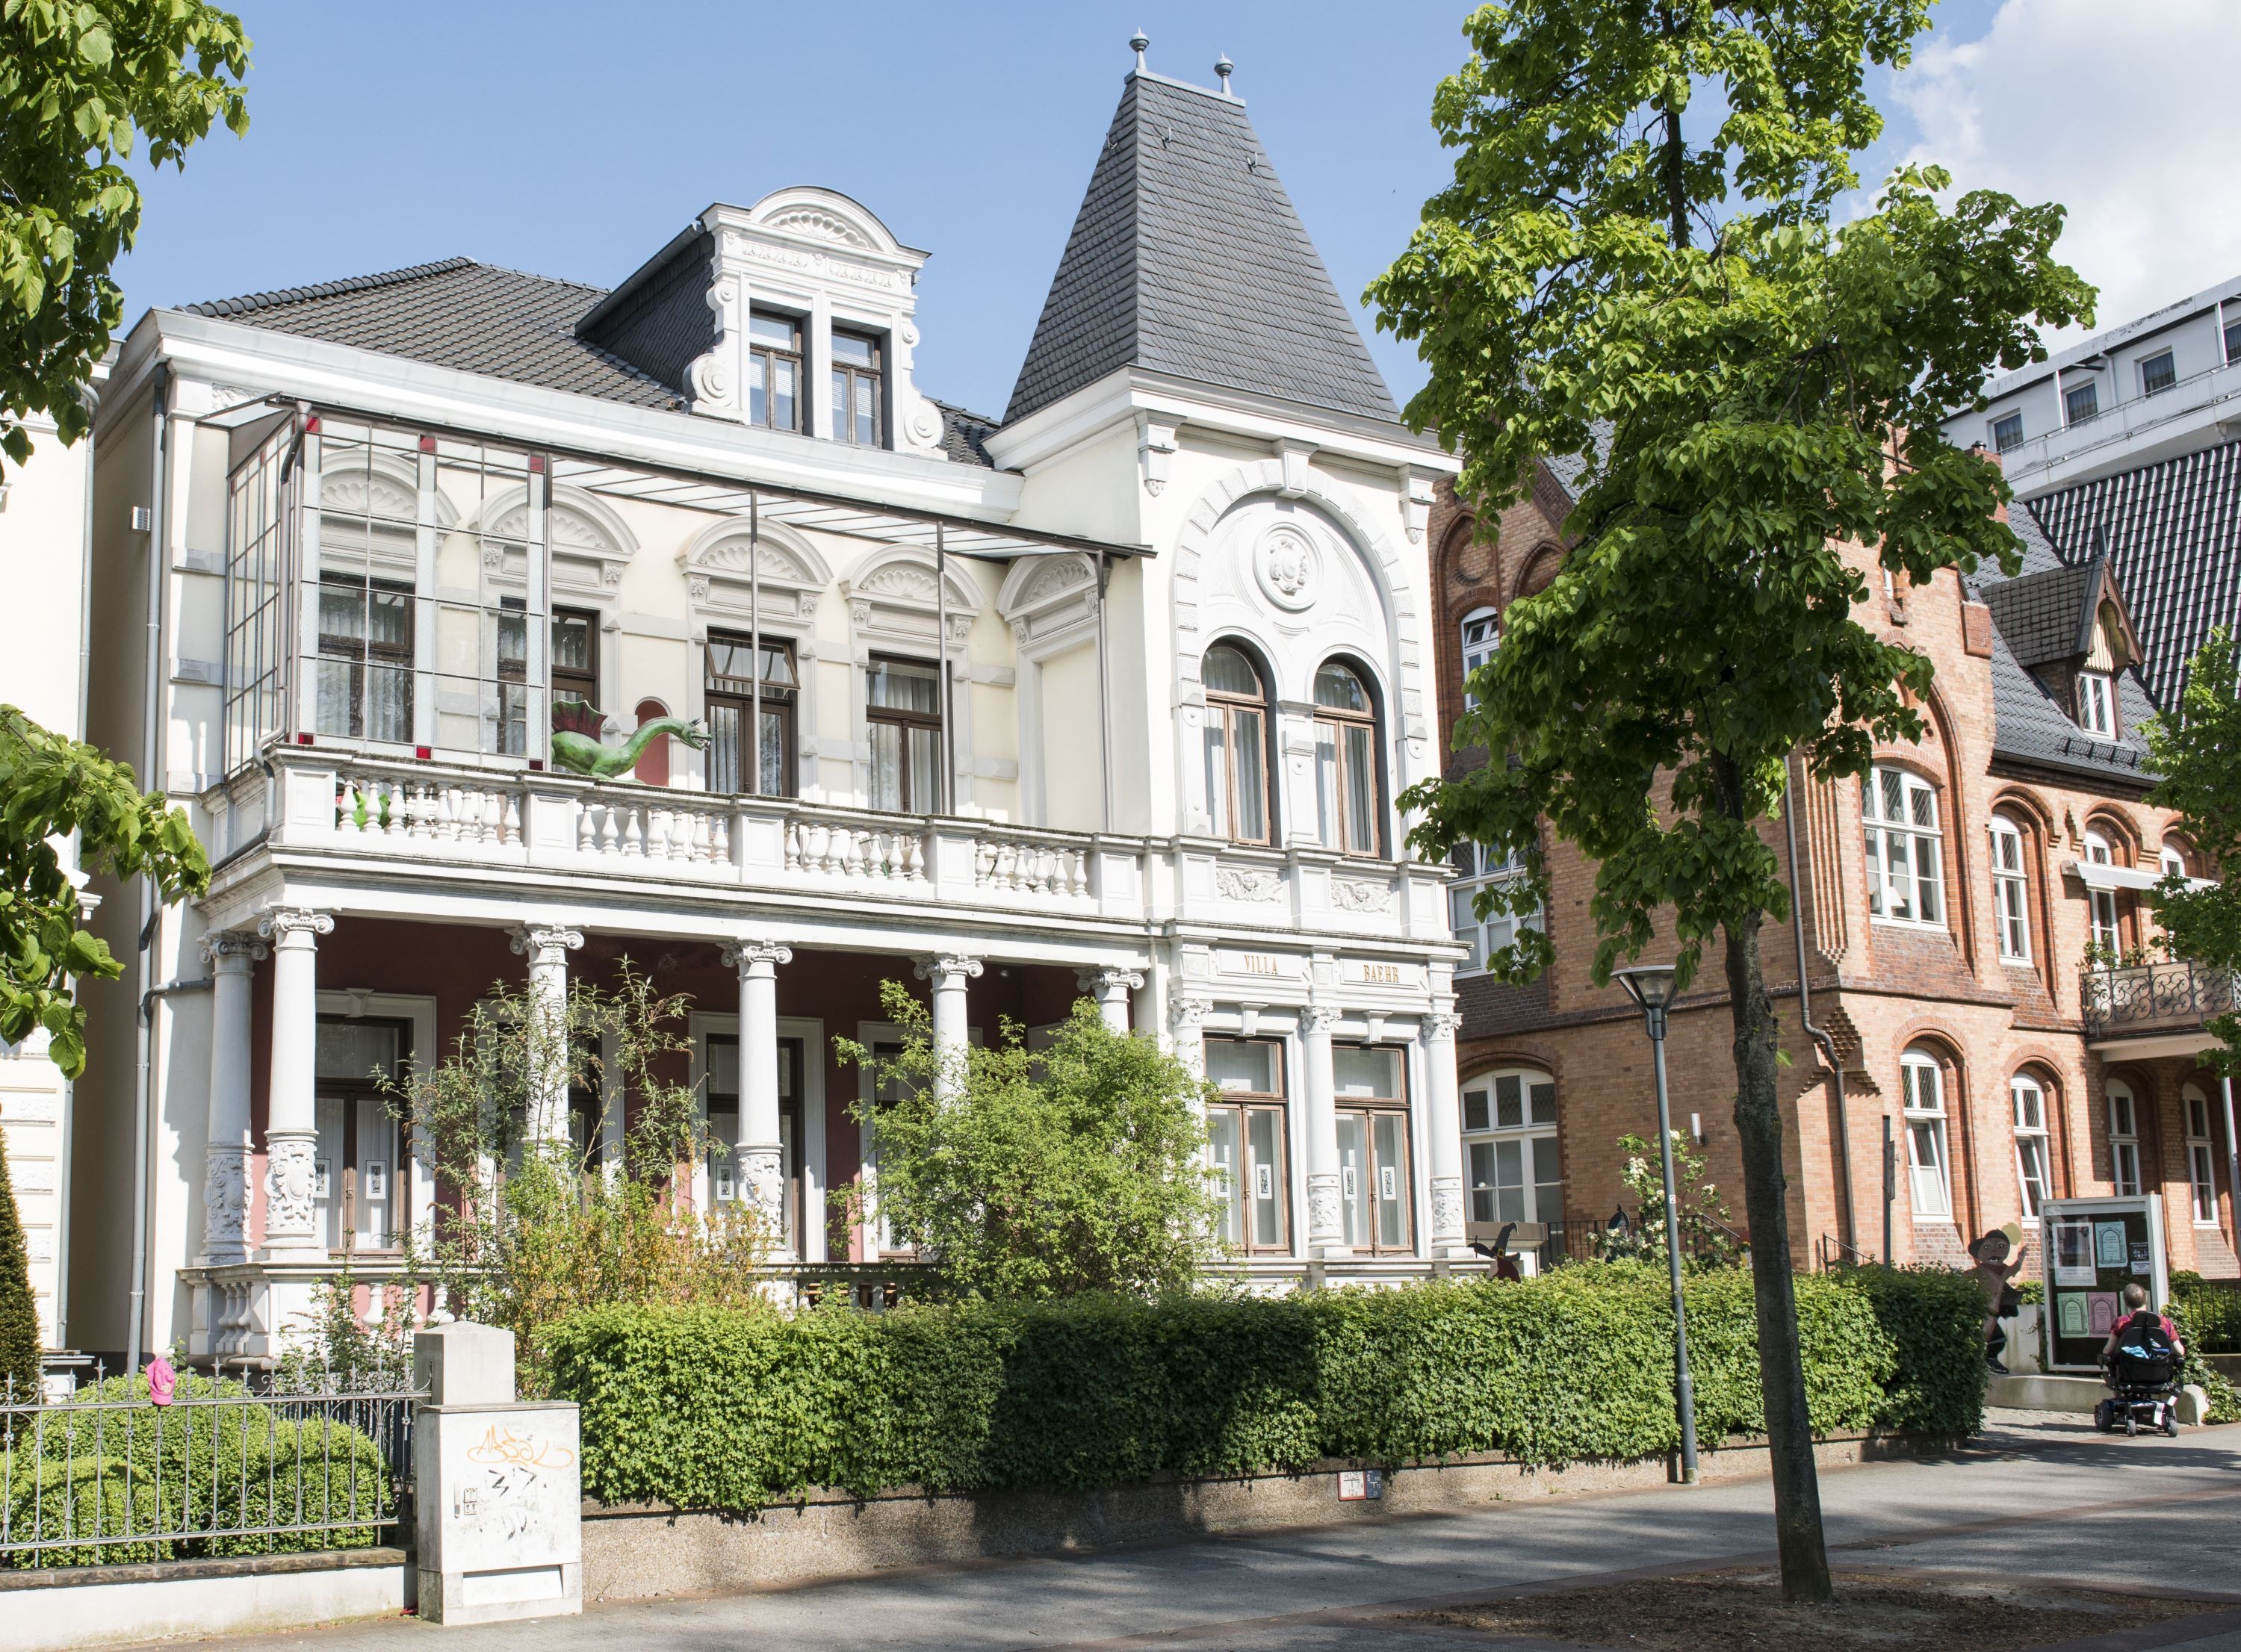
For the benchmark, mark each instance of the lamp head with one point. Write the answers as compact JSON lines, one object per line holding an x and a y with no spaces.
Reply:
{"x":1649,"y":985}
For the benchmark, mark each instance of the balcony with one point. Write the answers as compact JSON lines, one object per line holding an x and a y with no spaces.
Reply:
{"x":2170,"y":1003}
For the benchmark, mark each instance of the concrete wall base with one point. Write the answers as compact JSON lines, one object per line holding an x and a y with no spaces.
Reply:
{"x":2078,"y":1395}
{"x":641,"y":1552}
{"x":87,"y":1606}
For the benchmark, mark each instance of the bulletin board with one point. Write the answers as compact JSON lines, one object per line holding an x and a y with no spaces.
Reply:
{"x":2090,"y":1249}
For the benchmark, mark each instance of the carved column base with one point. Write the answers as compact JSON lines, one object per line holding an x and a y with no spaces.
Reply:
{"x":291,"y":1211}
{"x":1325,"y":1222}
{"x":1448,"y":1217}
{"x":759,"y":1176}
{"x":225,"y":1202}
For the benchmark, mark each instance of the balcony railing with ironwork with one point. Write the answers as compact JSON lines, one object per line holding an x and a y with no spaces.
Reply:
{"x":2153,"y":998}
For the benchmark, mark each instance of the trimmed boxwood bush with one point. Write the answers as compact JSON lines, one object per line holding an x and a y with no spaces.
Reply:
{"x":715,"y":1409}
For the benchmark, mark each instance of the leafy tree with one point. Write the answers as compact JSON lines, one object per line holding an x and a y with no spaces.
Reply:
{"x":1638,"y":263}
{"x":21,"y":1344}
{"x":2198,"y":753}
{"x":1706,"y":1238}
{"x":1074,"y":1168}
{"x":527,"y":1231}
{"x":78,"y":78}
{"x":50,"y":786}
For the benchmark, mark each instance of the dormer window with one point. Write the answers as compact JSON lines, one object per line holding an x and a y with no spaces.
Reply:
{"x":2097,"y":705}
{"x":774,"y":370}
{"x":856,"y":370}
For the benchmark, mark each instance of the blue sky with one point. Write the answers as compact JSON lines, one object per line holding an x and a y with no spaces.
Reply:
{"x":574,"y":140}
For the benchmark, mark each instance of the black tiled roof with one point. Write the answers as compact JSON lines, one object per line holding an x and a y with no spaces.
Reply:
{"x":2037,"y":614}
{"x":481,"y":319}
{"x":2172,"y":531}
{"x":1188,"y":258}
{"x":478,"y":317}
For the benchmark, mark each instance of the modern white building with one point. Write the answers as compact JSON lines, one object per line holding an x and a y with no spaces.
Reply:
{"x":1112,"y":696}
{"x":2154,"y":389}
{"x":43,"y":673}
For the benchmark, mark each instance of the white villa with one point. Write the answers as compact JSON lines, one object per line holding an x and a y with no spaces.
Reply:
{"x":1112,"y":696}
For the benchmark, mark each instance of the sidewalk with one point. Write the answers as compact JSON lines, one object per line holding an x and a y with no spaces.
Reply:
{"x":2040,"y":1496}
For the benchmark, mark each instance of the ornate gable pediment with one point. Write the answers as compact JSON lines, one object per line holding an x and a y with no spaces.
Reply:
{"x":894,"y":595}
{"x":591,"y":544}
{"x":1048,"y":599}
{"x":735,"y":575}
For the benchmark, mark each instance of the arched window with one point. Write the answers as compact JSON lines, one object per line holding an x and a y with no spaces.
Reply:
{"x":2201,"y":1156}
{"x":1905,"y":860}
{"x":2100,"y":851}
{"x":2173,"y":859}
{"x":2123,"y":1137}
{"x":2011,"y":891}
{"x":1479,"y":867}
{"x":1345,"y":762}
{"x":2034,"y":1159}
{"x":1922,"y":1083}
{"x":1509,"y":1139}
{"x":1481,"y":631}
{"x":1236,"y":746}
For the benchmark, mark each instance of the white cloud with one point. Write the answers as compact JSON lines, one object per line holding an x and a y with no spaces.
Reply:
{"x":2121,"y":109}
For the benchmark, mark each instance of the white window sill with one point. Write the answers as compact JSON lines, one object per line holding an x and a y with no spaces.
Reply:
{"x":1916,"y":923}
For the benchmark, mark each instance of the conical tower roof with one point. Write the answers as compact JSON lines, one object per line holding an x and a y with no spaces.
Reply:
{"x":1188,"y":258}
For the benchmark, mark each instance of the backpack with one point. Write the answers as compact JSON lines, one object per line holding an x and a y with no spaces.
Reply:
{"x":2143,"y":1337}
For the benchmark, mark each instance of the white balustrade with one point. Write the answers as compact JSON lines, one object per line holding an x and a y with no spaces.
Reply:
{"x":652,"y":826}
{"x":1027,"y":866}
{"x":876,"y":853}
{"x":399,"y":808}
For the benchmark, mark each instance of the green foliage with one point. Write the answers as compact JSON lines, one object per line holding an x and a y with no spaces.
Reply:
{"x":1707,"y":1238}
{"x":1074,"y":1169}
{"x":2208,"y":1312}
{"x":78,"y":78}
{"x":20,"y":1341}
{"x":2198,"y":753}
{"x":190,"y":1467}
{"x":712,"y":1409}
{"x":50,"y":787}
{"x":540,"y":1224}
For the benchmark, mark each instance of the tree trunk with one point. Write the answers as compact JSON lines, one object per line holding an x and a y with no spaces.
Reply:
{"x":1781,"y":1362}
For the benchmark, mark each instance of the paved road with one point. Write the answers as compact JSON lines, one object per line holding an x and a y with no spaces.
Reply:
{"x":2037,"y":1497}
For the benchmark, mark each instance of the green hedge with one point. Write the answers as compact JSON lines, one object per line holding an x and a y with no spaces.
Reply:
{"x":2209,"y":1311}
{"x":709,"y":1408}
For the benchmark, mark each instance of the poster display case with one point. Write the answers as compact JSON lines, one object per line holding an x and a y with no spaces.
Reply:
{"x":2089,"y":1250}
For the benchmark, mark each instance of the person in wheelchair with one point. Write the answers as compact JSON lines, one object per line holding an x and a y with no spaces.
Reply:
{"x":2140,"y":1363}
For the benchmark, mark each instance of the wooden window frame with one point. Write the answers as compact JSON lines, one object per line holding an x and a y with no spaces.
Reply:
{"x":1339,"y":719}
{"x":846,"y":376}
{"x":361,"y":654}
{"x":1370,"y":1108}
{"x":1223,"y":703}
{"x":355,"y":1094}
{"x":780,"y":701}
{"x":768,"y":355}
{"x":1244,"y":1104}
{"x":570,"y":682}
{"x":906,"y":720}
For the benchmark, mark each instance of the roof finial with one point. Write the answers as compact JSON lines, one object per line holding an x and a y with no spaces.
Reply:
{"x":1222,"y":69}
{"x":1137,"y":43}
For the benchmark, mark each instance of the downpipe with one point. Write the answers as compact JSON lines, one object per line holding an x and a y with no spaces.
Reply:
{"x":1819,"y":1035}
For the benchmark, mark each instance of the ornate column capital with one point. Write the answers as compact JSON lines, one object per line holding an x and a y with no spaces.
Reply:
{"x":546,"y":943}
{"x":1440,"y":1025}
{"x":1187,"y":1015}
{"x":294,"y":926}
{"x":755,"y":956}
{"x":948,"y":969}
{"x":1107,"y":979}
{"x":229,"y":951}
{"x":1318,"y":1017}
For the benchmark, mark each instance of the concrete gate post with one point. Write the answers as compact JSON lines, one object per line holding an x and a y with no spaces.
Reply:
{"x":498,"y":1514}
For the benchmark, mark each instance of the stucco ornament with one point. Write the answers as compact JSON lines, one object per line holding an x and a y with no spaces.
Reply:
{"x":225,"y":1198}
{"x":762,"y":1186}
{"x":1446,"y":1208}
{"x":291,"y":1177}
{"x":1287,"y":567}
{"x":1326,"y":1218}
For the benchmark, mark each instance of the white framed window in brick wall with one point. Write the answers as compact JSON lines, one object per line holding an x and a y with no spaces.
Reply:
{"x":1509,"y":1141}
{"x":2034,"y":1156}
{"x":2011,"y":891}
{"x":2201,"y":1156}
{"x":1479,"y":867}
{"x":2102,"y":902}
{"x":1482,"y":631}
{"x":2123,"y":1137}
{"x":1905,"y":849}
{"x":1921,"y":1080}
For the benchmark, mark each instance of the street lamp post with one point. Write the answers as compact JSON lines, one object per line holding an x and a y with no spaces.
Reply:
{"x":1651,"y":986}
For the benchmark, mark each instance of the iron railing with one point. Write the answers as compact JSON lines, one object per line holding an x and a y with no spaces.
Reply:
{"x":108,"y":1476}
{"x":2144,"y":998}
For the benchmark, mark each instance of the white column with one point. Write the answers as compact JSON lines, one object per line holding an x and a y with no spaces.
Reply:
{"x":758,"y":1165}
{"x":947,"y":973}
{"x":1111,"y":987}
{"x":547,"y":947}
{"x":1443,"y":1131}
{"x":1186,"y":1017}
{"x":291,"y":1122}
{"x":1326,"y":1226}
{"x":232,"y":959}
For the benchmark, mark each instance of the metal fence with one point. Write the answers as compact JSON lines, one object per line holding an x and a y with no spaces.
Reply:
{"x":110,"y":1477}
{"x":2155,"y":997}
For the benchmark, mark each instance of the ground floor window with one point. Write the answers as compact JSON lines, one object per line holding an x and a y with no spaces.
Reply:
{"x":1373,"y":1146}
{"x":724,"y":1125}
{"x":1923,"y":1084}
{"x":2201,"y":1157}
{"x":2124,"y":1138}
{"x":1244,"y":1136}
{"x":1509,"y":1144}
{"x":2034,"y":1163}
{"x":357,"y":1181}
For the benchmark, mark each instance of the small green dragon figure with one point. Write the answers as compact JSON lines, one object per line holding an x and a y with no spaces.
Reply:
{"x":577,"y":744}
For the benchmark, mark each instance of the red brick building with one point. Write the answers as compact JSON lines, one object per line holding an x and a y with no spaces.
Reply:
{"x":1975,"y":941}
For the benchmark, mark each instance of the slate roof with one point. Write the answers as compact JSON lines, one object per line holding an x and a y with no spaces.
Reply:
{"x":478,"y":317}
{"x":2037,"y":614}
{"x":2172,"y":531}
{"x":1188,"y":258}
{"x":481,"y":319}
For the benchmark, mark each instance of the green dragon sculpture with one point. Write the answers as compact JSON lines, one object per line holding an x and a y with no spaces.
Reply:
{"x":577,"y":744}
